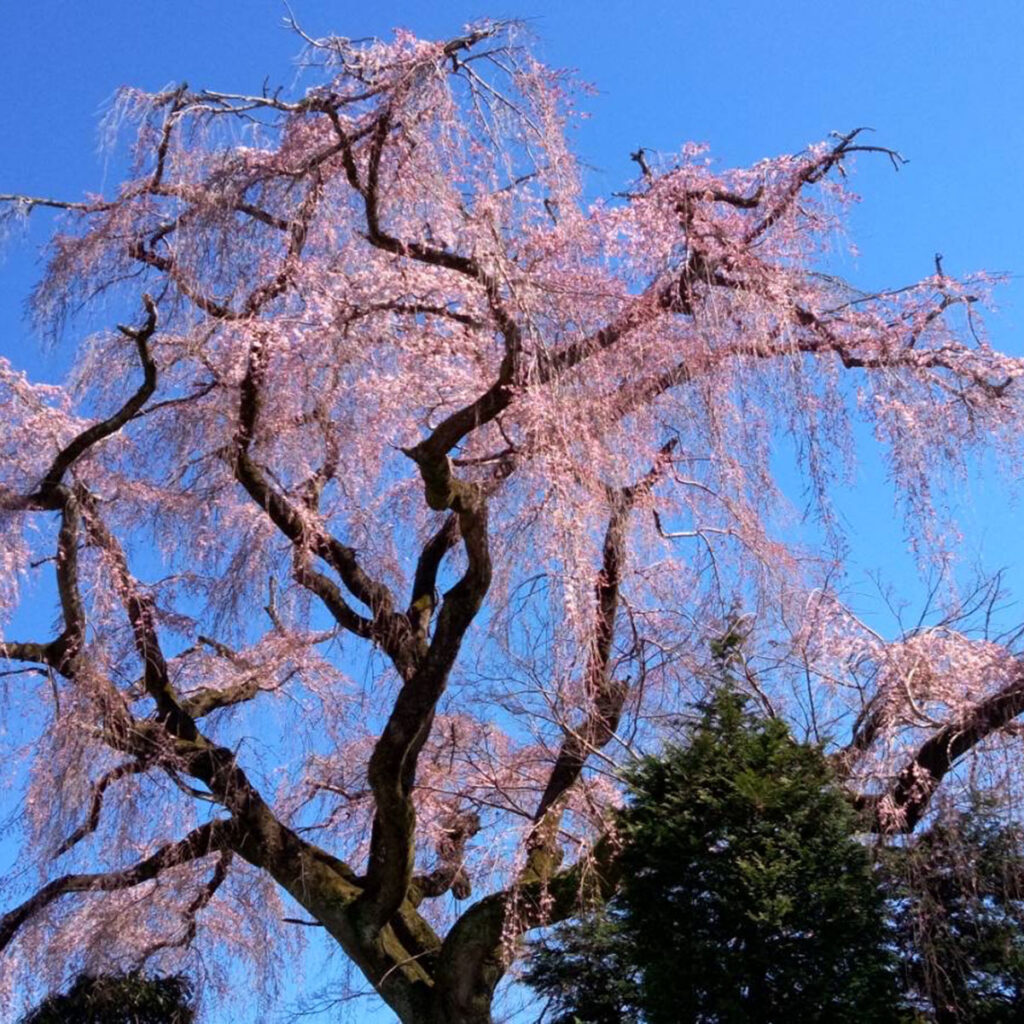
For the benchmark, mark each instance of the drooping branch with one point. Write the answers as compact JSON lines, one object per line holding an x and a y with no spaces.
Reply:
{"x":74,"y":450}
{"x":907,"y":799}
{"x":53,"y":494}
{"x":199,"y":902}
{"x":384,"y":625}
{"x":183,"y":192}
{"x":207,"y":699}
{"x":60,"y":654}
{"x":206,"y":839}
{"x":605,"y":696}
{"x":822,"y":340}
{"x":139,"y":608}
{"x":330,"y":594}
{"x":92,"y":820}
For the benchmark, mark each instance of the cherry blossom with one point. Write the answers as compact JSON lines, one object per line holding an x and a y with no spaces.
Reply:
{"x":403,"y":505}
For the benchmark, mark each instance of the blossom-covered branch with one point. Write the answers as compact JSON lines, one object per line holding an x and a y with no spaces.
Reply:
{"x":197,"y":844}
{"x":397,"y":364}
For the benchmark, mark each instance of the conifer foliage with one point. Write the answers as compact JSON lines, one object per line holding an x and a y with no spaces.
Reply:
{"x":745,"y":894}
{"x":956,"y":896}
{"x":129,"y":998}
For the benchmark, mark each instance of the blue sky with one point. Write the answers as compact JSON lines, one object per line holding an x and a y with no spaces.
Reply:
{"x":941,"y":81}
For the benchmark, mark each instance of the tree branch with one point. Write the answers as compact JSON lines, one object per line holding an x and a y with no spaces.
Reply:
{"x":902,"y":807}
{"x":92,"y":821}
{"x":472,"y":960}
{"x":201,"y":900}
{"x":71,"y":452}
{"x":206,"y":839}
{"x":450,"y":874}
{"x":141,"y":615}
{"x":606,"y":696}
{"x":392,"y":768}
{"x":813,"y":171}
{"x":423,"y":599}
{"x":385,"y":626}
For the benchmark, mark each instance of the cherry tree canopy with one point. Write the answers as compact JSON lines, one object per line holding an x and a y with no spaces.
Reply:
{"x":405,"y":501}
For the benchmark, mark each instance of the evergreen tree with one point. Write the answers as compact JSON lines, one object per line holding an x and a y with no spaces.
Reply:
{"x":746,"y":896}
{"x":956,"y":895}
{"x":128,"y":998}
{"x":586,"y":971}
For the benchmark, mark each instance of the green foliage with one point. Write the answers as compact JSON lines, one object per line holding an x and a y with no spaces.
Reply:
{"x":957,"y":898}
{"x":745,"y":896}
{"x":129,"y":998}
{"x":586,"y":972}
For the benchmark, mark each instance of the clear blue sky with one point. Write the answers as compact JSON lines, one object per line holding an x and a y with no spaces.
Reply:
{"x":940,"y":80}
